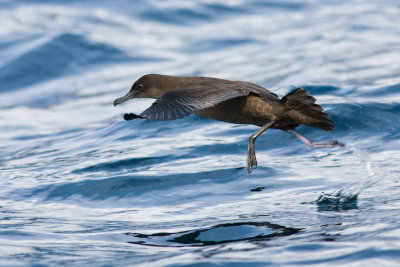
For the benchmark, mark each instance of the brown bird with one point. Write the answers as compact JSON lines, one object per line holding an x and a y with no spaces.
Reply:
{"x":229,"y":101}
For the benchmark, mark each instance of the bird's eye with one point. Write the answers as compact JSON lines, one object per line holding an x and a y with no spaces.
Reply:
{"x":139,"y":86}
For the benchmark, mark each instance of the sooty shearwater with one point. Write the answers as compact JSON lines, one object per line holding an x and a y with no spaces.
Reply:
{"x":229,"y":101}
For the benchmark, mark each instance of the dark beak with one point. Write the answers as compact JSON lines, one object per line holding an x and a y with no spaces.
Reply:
{"x":125,"y":98}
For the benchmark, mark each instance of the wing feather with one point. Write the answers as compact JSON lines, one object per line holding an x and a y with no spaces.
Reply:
{"x":185,"y":101}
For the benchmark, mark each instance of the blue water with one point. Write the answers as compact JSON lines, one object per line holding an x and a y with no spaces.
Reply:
{"x":79,"y":186}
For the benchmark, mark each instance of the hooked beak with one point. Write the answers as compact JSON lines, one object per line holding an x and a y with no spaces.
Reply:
{"x":125,"y":98}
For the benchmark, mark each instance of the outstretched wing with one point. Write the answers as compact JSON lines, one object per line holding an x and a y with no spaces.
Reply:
{"x":185,"y":101}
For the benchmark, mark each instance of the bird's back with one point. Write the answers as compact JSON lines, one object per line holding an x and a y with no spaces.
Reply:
{"x":258,"y":107}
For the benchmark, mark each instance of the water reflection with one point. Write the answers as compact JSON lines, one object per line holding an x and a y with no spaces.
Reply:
{"x":218,"y":234}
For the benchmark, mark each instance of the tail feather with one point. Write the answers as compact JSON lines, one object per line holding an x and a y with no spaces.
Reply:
{"x":302,"y":109}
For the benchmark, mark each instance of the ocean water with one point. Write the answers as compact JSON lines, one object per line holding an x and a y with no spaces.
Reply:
{"x":79,"y":186}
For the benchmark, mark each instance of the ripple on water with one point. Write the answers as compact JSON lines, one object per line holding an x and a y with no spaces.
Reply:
{"x":133,"y":185}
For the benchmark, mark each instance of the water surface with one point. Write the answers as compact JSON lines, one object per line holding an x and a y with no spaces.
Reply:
{"x":80,"y":186}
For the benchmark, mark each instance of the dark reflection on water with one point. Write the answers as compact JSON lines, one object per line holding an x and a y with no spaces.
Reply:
{"x":218,"y":234}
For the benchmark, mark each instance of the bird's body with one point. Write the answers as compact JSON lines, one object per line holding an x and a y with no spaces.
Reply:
{"x":229,"y":101}
{"x":257,"y":108}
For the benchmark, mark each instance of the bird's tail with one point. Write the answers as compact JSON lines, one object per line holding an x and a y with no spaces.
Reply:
{"x":301,"y":107}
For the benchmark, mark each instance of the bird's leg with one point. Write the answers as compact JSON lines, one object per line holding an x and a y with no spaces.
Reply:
{"x":251,"y":152}
{"x":131,"y":116}
{"x":315,"y":144}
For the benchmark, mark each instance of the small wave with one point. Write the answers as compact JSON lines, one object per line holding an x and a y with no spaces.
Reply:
{"x":366,"y":116}
{"x":322,"y":89}
{"x":217,"y":44}
{"x":64,"y":54}
{"x":127,"y":185}
{"x":384,"y":91}
{"x":174,"y":15}
{"x":121,"y":164}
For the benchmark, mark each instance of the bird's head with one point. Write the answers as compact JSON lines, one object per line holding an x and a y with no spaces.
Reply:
{"x":147,"y":86}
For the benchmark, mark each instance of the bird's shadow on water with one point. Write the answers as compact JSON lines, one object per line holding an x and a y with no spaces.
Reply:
{"x":214,"y":235}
